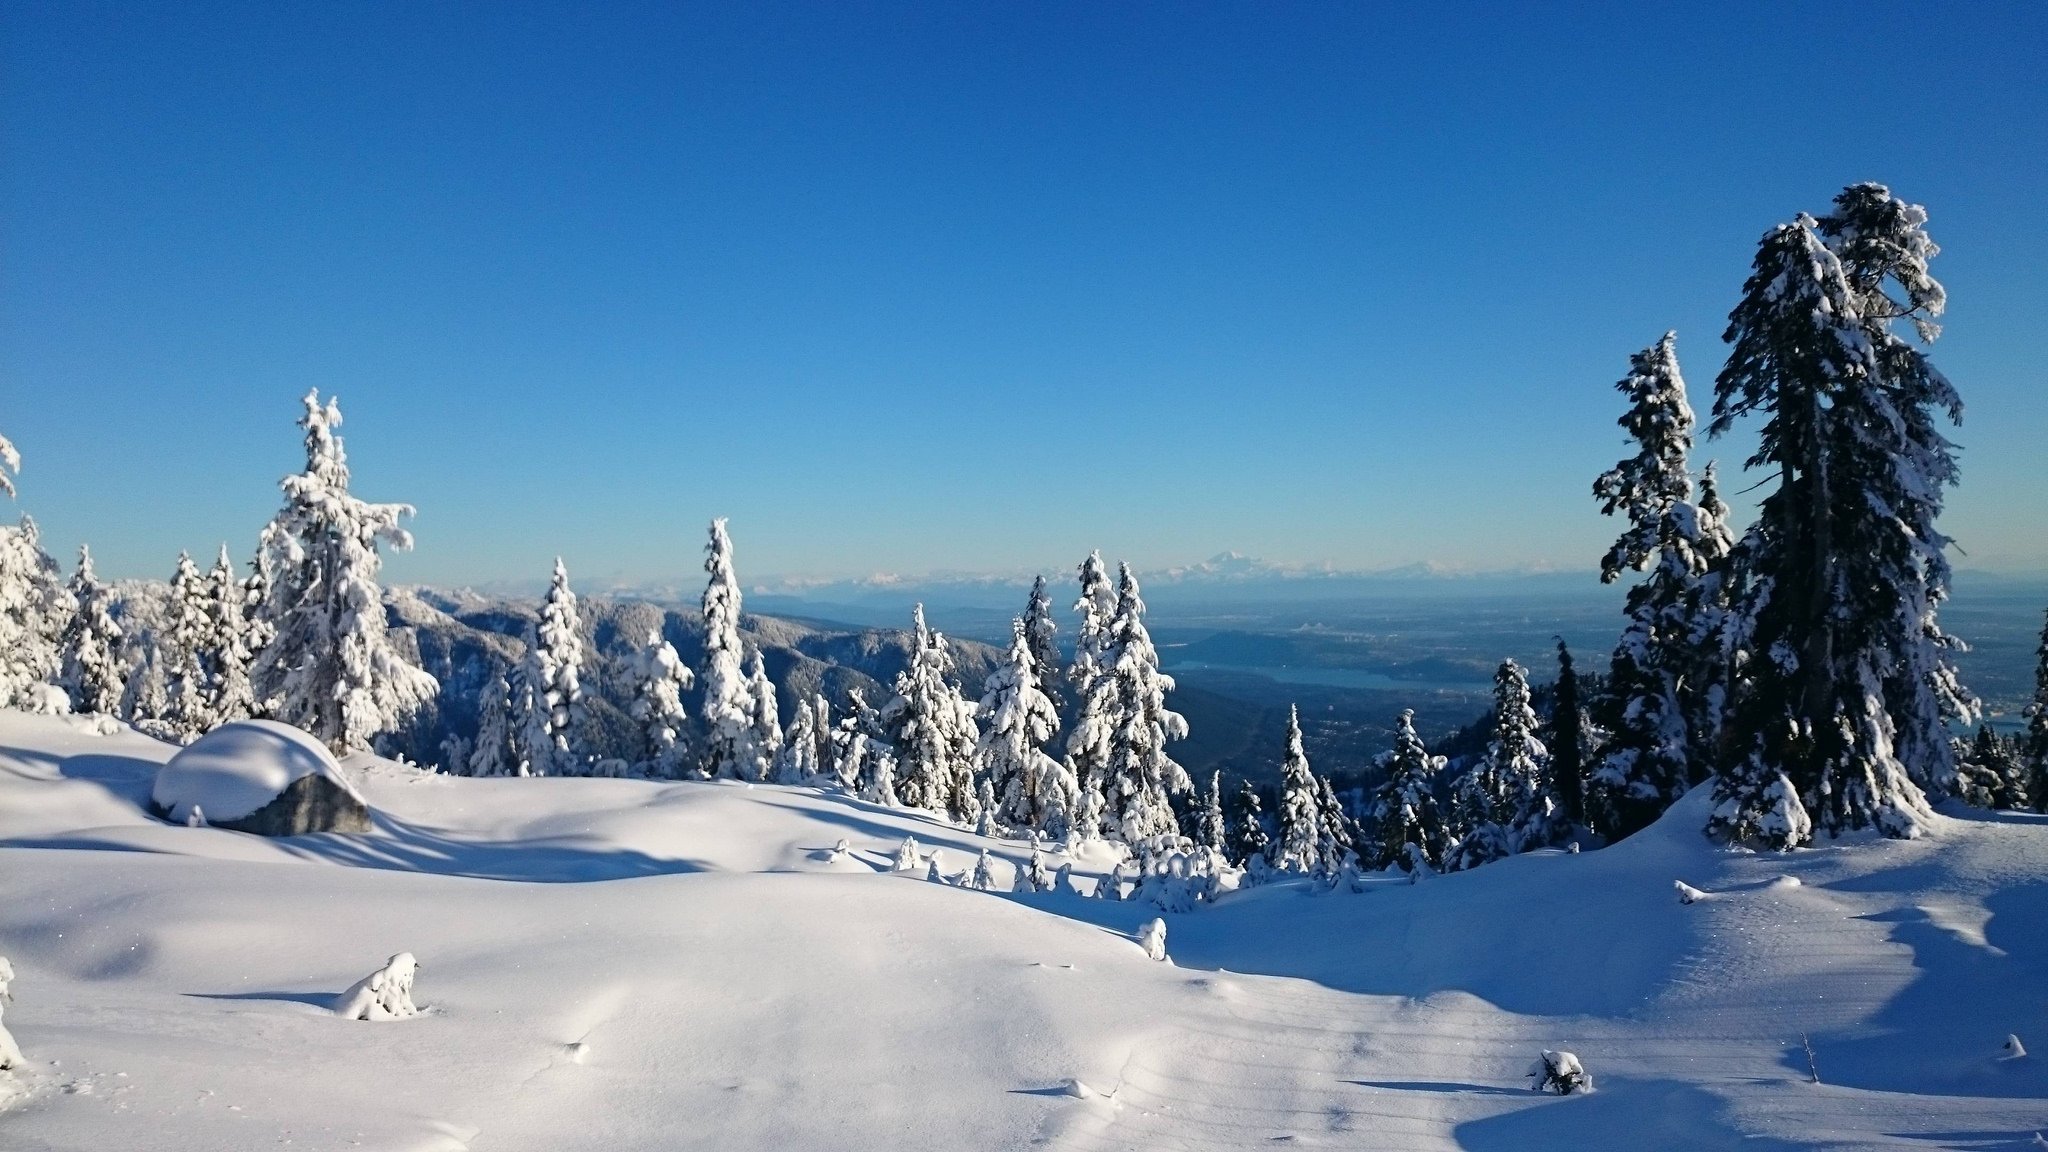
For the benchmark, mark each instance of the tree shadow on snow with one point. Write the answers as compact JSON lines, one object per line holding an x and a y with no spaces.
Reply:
{"x":1451,"y":1087}
{"x":1640,"y":1115}
{"x":1943,"y":1033}
{"x":402,"y":846}
{"x":129,"y":778}
{"x":321,"y":1000}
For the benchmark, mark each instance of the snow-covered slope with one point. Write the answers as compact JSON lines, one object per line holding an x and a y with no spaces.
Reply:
{"x":622,"y":964}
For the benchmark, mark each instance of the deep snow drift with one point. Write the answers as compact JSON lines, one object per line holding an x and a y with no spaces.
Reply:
{"x":621,"y":964}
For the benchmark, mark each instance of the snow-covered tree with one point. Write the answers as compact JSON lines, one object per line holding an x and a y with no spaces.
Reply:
{"x":493,"y":753}
{"x":984,"y":878}
{"x":1846,"y":682}
{"x":93,"y":674}
{"x":1666,"y":677}
{"x":1303,"y":837}
{"x":1407,"y":829}
{"x":10,"y":466}
{"x":552,"y":724}
{"x":1567,"y":740}
{"x":798,"y":761}
{"x":655,"y":680}
{"x":1991,"y":774}
{"x":227,"y":654}
{"x":1124,"y":725}
{"x":931,"y":726}
{"x":1211,"y":832}
{"x":145,"y":698}
{"x":1248,"y":836}
{"x":35,"y":608}
{"x":330,"y":667}
{"x":188,"y":633}
{"x":732,"y":738}
{"x":2034,"y":750}
{"x":1522,"y":765}
{"x":1092,"y":657}
{"x":767,"y":719}
{"x":862,"y":761}
{"x":1033,"y":790}
{"x":1039,"y":630}
{"x":385,"y":994}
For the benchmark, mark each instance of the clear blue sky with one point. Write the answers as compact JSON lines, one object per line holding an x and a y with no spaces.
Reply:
{"x":959,"y":286}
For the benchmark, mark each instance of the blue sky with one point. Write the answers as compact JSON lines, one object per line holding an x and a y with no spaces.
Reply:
{"x":907,"y":288}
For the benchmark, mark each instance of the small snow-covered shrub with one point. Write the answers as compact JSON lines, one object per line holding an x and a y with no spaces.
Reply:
{"x":1152,"y":937}
{"x":934,"y":872}
{"x":45,"y":700}
{"x":906,"y":856}
{"x":10,"y":1055}
{"x":1063,"y":880}
{"x":984,"y":878}
{"x":385,"y":994}
{"x":1560,"y":1072}
{"x":2014,"y":1050}
{"x":1687,"y":894}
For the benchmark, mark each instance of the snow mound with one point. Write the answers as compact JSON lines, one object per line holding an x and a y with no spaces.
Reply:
{"x":385,"y":994}
{"x":237,"y":768}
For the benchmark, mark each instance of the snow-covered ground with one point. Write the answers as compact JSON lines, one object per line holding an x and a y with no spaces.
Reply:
{"x":619,"y":965}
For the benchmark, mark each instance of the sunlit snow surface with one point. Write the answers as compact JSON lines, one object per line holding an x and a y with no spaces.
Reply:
{"x":624,"y":965}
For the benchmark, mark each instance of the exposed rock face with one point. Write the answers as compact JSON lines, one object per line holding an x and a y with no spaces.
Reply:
{"x":309,"y":804}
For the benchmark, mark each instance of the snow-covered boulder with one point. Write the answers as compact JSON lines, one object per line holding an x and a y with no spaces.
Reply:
{"x":259,"y":776}
{"x":385,"y":994}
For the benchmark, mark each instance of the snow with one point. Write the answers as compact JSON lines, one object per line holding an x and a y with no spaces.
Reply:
{"x":239,"y":767}
{"x":635,"y":964}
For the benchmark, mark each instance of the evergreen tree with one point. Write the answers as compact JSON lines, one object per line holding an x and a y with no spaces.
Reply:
{"x":93,"y":673}
{"x":1303,"y":838}
{"x":1248,"y":837}
{"x":494,"y":753}
{"x":10,"y":467}
{"x":1032,"y":789}
{"x":1340,"y":834}
{"x":1092,"y":657}
{"x":798,"y":761}
{"x":655,"y":682}
{"x":2034,"y":750}
{"x":188,"y":635}
{"x":1567,"y":741}
{"x":1846,"y":681}
{"x":767,"y":719}
{"x":1407,"y":828}
{"x":1124,"y":725}
{"x":1665,"y":679}
{"x":1991,"y":774}
{"x":931,"y":726}
{"x":1211,"y":833}
{"x":1039,"y":630}
{"x":228,"y":654}
{"x":329,"y":666}
{"x":1521,"y":764}
{"x":553,"y":722}
{"x":732,"y":744}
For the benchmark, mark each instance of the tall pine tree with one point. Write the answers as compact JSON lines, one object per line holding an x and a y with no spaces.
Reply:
{"x":1407,"y":829}
{"x":1665,"y":678}
{"x":93,"y":672}
{"x":1846,"y":682}
{"x":1124,"y":726}
{"x":329,"y":666}
{"x":552,"y":724}
{"x":1032,"y":789}
{"x":732,"y":737}
{"x":1039,"y":630}
{"x":932,"y":729}
{"x":2034,"y":750}
{"x":1304,"y":839}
